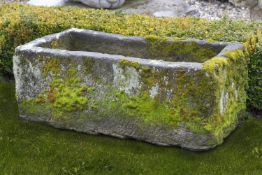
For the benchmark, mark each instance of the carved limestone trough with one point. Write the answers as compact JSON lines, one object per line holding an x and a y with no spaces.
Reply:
{"x":162,"y":91}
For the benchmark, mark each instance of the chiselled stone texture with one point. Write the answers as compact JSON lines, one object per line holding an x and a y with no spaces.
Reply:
{"x":107,"y":4}
{"x":159,"y":90}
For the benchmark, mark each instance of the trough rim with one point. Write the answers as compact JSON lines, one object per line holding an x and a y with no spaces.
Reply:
{"x":33,"y":47}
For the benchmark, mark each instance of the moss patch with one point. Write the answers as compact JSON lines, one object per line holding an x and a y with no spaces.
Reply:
{"x":229,"y":75}
{"x":123,"y":62}
{"x":169,"y":50}
{"x":65,"y":93}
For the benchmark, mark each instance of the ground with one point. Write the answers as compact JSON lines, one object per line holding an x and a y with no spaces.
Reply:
{"x":32,"y":148}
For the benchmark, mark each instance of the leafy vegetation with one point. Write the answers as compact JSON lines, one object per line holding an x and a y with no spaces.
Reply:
{"x":255,"y":73}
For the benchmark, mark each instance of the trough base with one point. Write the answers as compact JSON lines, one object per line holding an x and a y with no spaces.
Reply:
{"x":134,"y":129}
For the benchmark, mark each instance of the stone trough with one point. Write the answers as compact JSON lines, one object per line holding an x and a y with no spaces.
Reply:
{"x":162,"y":91}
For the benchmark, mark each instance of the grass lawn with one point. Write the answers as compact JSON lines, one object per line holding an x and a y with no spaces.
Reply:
{"x":28,"y":148}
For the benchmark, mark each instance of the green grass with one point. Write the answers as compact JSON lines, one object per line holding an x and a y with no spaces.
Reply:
{"x":31,"y":148}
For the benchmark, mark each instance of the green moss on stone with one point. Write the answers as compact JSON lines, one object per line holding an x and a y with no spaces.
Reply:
{"x":190,"y":105}
{"x":229,"y":75}
{"x":33,"y":107}
{"x":173,"y":50}
{"x":54,"y":44}
{"x":134,"y":64}
{"x":51,"y":65}
{"x":148,"y":109}
{"x":88,"y":65}
{"x":215,"y":63}
{"x":65,"y":93}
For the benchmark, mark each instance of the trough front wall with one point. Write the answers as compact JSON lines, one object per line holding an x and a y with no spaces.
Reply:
{"x":104,"y":80}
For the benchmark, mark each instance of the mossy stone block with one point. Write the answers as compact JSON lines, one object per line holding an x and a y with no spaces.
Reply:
{"x":159,"y":90}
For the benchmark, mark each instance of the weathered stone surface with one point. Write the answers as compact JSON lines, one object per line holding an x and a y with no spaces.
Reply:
{"x":166,"y":92}
{"x":163,"y":8}
{"x":48,"y":3}
{"x":255,"y":7}
{"x":107,"y":4}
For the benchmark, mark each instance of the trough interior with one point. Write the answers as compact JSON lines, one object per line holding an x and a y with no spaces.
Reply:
{"x":174,"y":51}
